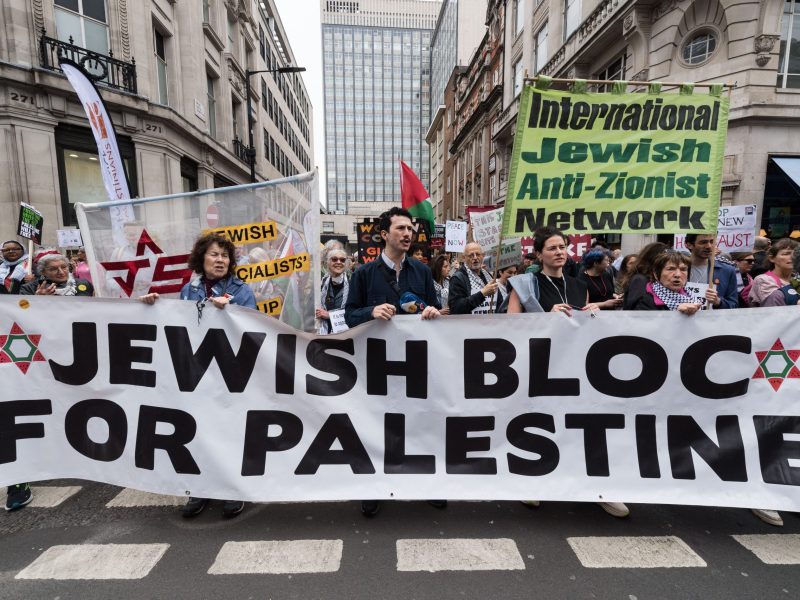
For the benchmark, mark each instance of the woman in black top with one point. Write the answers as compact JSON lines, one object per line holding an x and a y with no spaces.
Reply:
{"x":599,"y":280}
{"x":557,"y":292}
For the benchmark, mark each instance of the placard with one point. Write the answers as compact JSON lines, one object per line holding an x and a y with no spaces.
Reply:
{"x":69,"y":238}
{"x":31,"y":223}
{"x":455,"y":236}
{"x":338,"y":324}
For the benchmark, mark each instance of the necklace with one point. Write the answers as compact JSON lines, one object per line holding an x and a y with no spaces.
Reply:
{"x":564,"y":296}
{"x":597,"y":287}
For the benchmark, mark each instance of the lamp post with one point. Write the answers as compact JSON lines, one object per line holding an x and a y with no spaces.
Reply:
{"x":251,"y":151}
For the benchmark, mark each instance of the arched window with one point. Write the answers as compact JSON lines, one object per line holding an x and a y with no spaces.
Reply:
{"x":699,"y":48}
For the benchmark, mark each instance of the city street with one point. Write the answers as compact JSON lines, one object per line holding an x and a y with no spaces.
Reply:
{"x":100,"y":541}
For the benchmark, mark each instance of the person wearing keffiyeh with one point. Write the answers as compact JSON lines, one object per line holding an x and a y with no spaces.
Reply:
{"x":13,"y":267}
{"x":335,"y":287}
{"x":665,"y":290}
{"x":472,"y":288}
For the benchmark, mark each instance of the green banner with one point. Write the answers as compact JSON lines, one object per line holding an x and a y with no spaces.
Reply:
{"x":633,"y":163}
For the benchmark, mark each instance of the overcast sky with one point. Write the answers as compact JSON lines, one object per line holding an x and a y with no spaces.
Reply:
{"x":301,"y":22}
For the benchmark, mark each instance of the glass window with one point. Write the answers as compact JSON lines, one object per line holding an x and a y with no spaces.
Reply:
{"x":519,"y":16}
{"x":541,"y":48}
{"x":212,"y":107}
{"x":161,"y":66}
{"x":517,"y":77}
{"x":789,"y":64}
{"x":572,"y":17}
{"x":615,"y":71}
{"x":699,"y":48}
{"x":84,"y":21}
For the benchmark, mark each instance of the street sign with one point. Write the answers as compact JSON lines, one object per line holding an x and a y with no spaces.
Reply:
{"x":212,"y":215}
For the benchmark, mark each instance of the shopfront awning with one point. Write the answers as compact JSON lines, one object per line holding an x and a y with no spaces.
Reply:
{"x":790,"y":167}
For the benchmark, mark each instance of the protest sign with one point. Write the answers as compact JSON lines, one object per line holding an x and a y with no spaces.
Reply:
{"x":69,"y":238}
{"x":370,"y":243}
{"x":736,"y":229}
{"x":624,"y":163}
{"x":486,"y":228}
{"x":510,"y":255}
{"x":578,"y":245}
{"x":455,"y":236}
{"x":338,"y":324}
{"x":632,"y":406}
{"x":274,"y":225}
{"x":697,"y":291}
{"x":438,"y":237}
{"x":30,"y":223}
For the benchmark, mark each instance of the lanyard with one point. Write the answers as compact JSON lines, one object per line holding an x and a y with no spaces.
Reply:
{"x":564,"y":297}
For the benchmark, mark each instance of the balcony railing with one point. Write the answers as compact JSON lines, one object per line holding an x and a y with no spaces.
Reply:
{"x":102,"y":69}
{"x":240,"y":150}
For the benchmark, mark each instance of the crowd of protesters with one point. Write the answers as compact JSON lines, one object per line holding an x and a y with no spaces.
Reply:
{"x":406,"y":280}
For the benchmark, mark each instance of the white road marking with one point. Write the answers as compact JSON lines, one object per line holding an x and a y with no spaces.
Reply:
{"x":95,"y":561}
{"x":278,"y":557}
{"x":639,"y":552}
{"x":129,"y":498}
{"x":773,"y":548}
{"x":50,"y":496}
{"x":458,"y":554}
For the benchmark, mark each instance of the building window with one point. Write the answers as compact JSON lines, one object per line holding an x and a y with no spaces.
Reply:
{"x":84,"y":21}
{"x":789,"y":64}
{"x":206,"y":11}
{"x":572,"y":17}
{"x":615,"y":71}
{"x":519,"y":16}
{"x":699,"y":48}
{"x":212,"y":107}
{"x":327,"y":227}
{"x":541,"y":48}
{"x":161,"y":66}
{"x":517,"y":77}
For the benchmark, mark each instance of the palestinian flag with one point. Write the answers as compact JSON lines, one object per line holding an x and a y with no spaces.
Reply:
{"x":415,"y":198}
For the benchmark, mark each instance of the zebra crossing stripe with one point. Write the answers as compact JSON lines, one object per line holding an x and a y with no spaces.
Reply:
{"x":52,"y":496}
{"x":278,"y":557}
{"x":458,"y":554}
{"x":95,"y":561}
{"x":130,"y":498}
{"x":773,"y":548}
{"x":629,"y":552}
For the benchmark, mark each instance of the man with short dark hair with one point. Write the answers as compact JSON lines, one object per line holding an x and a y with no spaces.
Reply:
{"x":392,"y":284}
{"x":721,"y":292}
{"x":377,"y":288}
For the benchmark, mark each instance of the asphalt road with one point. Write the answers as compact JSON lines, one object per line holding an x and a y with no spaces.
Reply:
{"x":410,"y":550}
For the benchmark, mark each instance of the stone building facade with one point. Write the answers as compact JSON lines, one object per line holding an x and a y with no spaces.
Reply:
{"x":172,"y":75}
{"x":750,"y":43}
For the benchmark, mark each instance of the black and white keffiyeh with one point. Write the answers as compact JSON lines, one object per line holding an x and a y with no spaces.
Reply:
{"x":670,"y":298}
{"x":476,"y":284}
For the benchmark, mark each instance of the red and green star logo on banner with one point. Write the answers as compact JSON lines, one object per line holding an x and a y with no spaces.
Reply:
{"x":777,"y":364}
{"x":20,"y":348}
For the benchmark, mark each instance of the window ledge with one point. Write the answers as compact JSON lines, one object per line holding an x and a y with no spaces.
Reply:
{"x":781,"y":90}
{"x":212,"y":36}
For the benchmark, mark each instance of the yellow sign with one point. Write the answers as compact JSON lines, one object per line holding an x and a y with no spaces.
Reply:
{"x":249,"y":233}
{"x":271,"y":306}
{"x":274,"y":268}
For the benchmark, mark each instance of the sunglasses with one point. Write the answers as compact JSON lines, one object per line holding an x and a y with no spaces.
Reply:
{"x":337,"y":260}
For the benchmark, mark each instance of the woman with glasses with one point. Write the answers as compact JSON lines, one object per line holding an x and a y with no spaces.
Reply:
{"x":335,"y":287}
{"x":213,"y":261}
{"x":744,"y":263}
{"x":779,"y":286}
{"x":13,"y":268}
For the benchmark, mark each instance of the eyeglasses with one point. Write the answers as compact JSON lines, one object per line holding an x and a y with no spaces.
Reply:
{"x":336,"y":259}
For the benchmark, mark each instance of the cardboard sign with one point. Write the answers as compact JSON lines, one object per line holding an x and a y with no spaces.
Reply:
{"x":455,"y":236}
{"x":69,"y":238}
{"x":729,"y":241}
{"x":487,"y":227}
{"x":338,"y":324}
{"x":736,"y":229}
{"x":510,"y":255}
{"x":31,"y":223}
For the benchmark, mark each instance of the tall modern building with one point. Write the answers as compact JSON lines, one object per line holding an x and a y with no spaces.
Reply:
{"x":376,"y":61}
{"x":459,"y":30}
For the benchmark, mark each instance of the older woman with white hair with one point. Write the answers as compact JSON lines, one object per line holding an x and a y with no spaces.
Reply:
{"x":335,"y":288}
{"x":54,"y":278}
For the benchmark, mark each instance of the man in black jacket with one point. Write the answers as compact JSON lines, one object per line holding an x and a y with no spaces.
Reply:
{"x":471,"y":286}
{"x":377,"y":287}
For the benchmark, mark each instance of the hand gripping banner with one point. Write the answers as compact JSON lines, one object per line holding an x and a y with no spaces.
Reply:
{"x":274,"y":225}
{"x":626,"y":406}
{"x":622,"y":163}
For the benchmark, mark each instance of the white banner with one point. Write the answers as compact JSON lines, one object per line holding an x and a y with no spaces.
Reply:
{"x":736,"y":229}
{"x":625,"y":406}
{"x":111,"y":166}
{"x":274,"y":225}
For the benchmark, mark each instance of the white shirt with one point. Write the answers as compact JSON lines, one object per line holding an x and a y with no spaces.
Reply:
{"x":391,"y":264}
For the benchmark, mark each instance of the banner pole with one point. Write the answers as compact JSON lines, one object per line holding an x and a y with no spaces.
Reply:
{"x":29,"y":267}
{"x":496,"y":270}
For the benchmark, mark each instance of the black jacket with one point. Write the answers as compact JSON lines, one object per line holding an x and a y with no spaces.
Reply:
{"x":460,"y":301}
{"x":370,"y":287}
